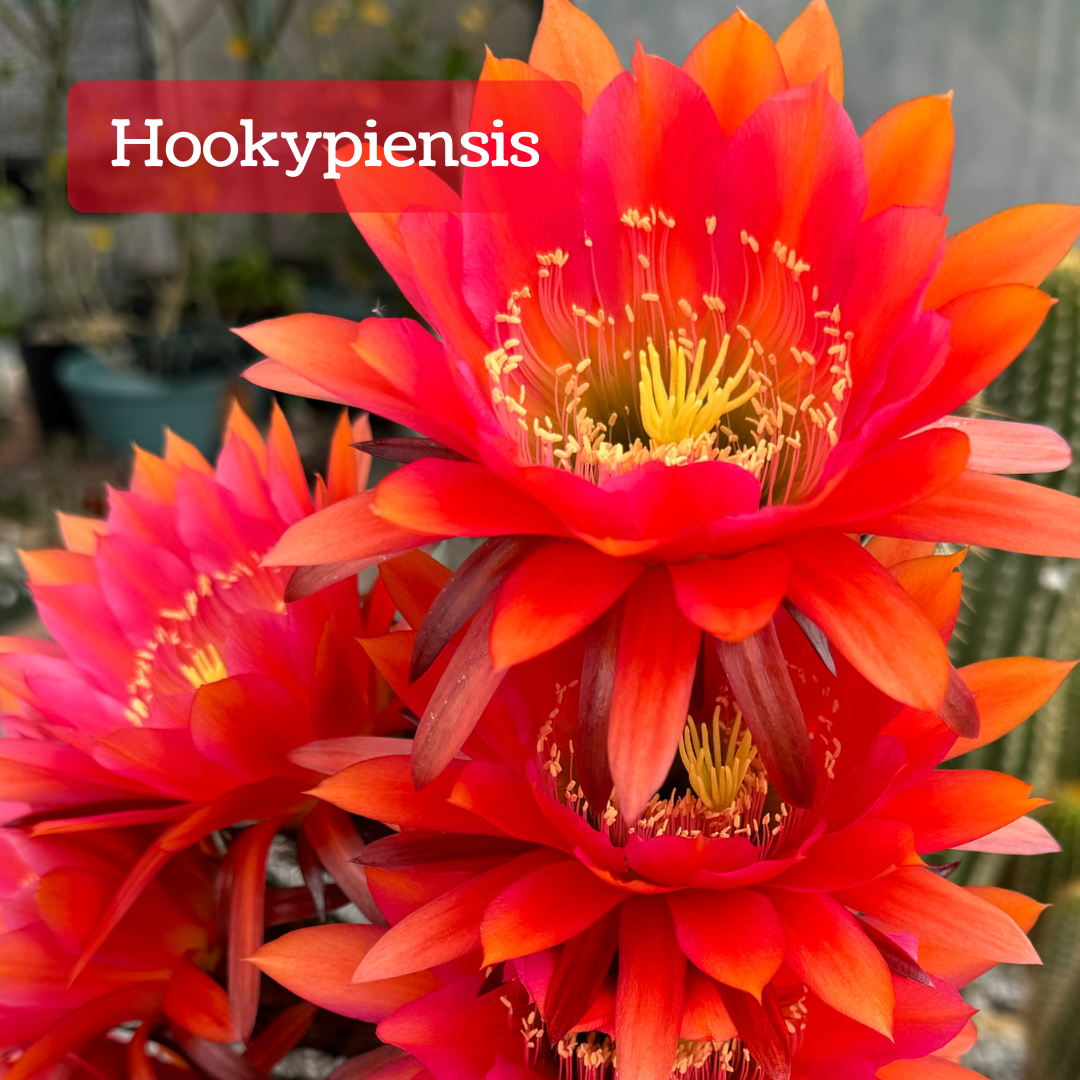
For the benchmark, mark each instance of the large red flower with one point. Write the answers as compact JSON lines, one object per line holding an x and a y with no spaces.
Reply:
{"x":690,"y":389}
{"x":179,"y":682}
{"x":711,"y":913}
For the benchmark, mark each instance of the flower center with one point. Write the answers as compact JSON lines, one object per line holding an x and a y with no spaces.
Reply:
{"x":747,"y":372}
{"x":185,"y":650}
{"x":728,"y":791}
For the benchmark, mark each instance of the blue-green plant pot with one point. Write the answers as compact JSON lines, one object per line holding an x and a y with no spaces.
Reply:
{"x":119,"y":408}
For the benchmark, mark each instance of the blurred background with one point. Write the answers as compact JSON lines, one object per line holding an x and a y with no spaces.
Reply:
{"x":112,"y":327}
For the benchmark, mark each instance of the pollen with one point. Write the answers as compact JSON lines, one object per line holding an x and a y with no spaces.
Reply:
{"x":759,"y":375}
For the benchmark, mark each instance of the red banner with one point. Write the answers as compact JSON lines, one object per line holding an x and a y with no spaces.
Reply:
{"x":303,"y":147}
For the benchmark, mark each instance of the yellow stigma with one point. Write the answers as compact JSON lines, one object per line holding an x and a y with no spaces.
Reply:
{"x":685,"y":410}
{"x":206,"y":667}
{"x":716,"y":774}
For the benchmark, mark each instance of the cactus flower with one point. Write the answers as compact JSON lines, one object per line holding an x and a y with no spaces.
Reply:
{"x":178,"y":682}
{"x":718,"y":908}
{"x":683,"y":396}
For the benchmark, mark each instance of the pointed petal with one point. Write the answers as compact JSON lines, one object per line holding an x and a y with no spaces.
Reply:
{"x":652,"y":982}
{"x":461,"y":696}
{"x":950,"y":807}
{"x":318,"y":963}
{"x":908,"y":154}
{"x":80,"y":533}
{"x":460,"y":498}
{"x":654,"y":672}
{"x":338,"y":846}
{"x":571,"y":47}
{"x":992,"y":511}
{"x":917,"y":901}
{"x":869,"y":618}
{"x":1025,"y":836}
{"x":382,"y":789}
{"x":934,"y":584}
{"x":810,"y":46}
{"x":762,"y":1028}
{"x":738,"y":67}
{"x":999,"y":446}
{"x":344,"y":532}
{"x":989,"y":328}
{"x":552,"y":594}
{"x":393,"y":367}
{"x":703,"y":922}
{"x":544,"y":909}
{"x":1019,"y":246}
{"x":732,"y":598}
{"x":460,"y":598}
{"x":246,"y":903}
{"x":579,"y":973}
{"x":1008,"y":691}
{"x":347,"y":469}
{"x":448,"y":926}
{"x":704,"y":1015}
{"x":760,"y":681}
{"x":828,"y":951}
{"x":594,"y":706}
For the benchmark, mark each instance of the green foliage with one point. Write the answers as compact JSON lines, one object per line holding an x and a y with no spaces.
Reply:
{"x":1021,"y":604}
{"x":1055,"y":1033}
{"x":250,"y":286}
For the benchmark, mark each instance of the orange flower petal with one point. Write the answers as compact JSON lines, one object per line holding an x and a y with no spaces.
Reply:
{"x":654,"y":672}
{"x":318,"y":962}
{"x":704,"y":1016}
{"x":448,"y":926}
{"x":343,"y":532}
{"x":553,"y":594}
{"x":1019,"y":246}
{"x":989,"y":328}
{"x":908,"y":154}
{"x":934,"y":585}
{"x":570,"y":46}
{"x":703,"y":922}
{"x":732,"y":598}
{"x":869,"y":618}
{"x":652,"y":983}
{"x":544,"y":909}
{"x":810,"y":46}
{"x":1008,"y":691}
{"x":952,"y":806}
{"x":738,"y":67}
{"x":993,"y":511}
{"x":916,"y":900}
{"x":828,"y":951}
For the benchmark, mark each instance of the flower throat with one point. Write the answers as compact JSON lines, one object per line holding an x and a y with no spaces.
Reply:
{"x":752,"y":374}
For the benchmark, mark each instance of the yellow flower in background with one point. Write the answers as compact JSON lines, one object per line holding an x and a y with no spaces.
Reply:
{"x":375,"y":12}
{"x":237,"y":47}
